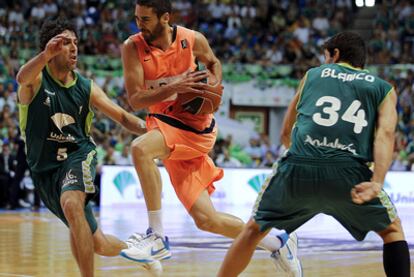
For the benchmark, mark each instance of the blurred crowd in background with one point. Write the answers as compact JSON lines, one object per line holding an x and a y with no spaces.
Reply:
{"x":263,"y":32}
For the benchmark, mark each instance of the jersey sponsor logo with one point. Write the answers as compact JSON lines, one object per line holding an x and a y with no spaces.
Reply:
{"x":47,"y":101}
{"x":335,"y":144}
{"x":61,"y":120}
{"x":153,"y":84}
{"x":184,"y":43}
{"x":69,"y":179}
{"x":61,"y":138}
{"x":345,"y":77}
{"x":50,"y":92}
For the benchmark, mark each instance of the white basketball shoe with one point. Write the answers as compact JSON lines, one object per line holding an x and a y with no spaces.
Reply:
{"x":285,"y":259}
{"x":147,"y":248}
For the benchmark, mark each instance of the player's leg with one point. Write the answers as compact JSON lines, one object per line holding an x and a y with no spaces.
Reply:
{"x":376,"y":214}
{"x":396,"y":255}
{"x":153,"y":245}
{"x":73,"y":247}
{"x":144,"y":150}
{"x":107,"y":245}
{"x":241,"y":251}
{"x":208,"y":219}
{"x":73,"y":203}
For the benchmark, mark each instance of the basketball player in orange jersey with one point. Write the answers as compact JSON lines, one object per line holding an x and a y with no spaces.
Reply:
{"x":159,"y":63}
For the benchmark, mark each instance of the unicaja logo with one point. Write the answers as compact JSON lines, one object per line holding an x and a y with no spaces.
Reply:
{"x":256,"y":182}
{"x":123,"y":180}
{"x":399,"y":197}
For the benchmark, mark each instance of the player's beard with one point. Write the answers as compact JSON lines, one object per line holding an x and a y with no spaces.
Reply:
{"x":151,"y":36}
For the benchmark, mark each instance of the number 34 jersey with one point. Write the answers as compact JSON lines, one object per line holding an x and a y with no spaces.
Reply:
{"x":57,"y":122}
{"x":337,"y":112}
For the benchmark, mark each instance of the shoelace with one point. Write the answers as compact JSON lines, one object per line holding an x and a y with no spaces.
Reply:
{"x":134,"y":238}
{"x":142,"y":242}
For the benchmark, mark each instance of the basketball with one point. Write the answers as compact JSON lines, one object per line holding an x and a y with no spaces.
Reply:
{"x":205,"y":103}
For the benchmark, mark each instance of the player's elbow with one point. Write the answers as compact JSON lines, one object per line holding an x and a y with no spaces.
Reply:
{"x":386,"y":134}
{"x":390,"y":134}
{"x":135,"y":97}
{"x":135,"y":104}
{"x":20,"y":79}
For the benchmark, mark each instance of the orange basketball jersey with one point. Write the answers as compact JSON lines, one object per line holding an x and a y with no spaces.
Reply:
{"x":162,"y":67}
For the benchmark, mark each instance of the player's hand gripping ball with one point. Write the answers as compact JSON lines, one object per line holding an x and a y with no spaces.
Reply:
{"x":202,"y":103}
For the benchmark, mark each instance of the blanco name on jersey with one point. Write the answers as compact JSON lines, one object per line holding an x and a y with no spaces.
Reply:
{"x":344,"y":77}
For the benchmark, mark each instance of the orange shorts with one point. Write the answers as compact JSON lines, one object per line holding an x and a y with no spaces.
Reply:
{"x":190,"y":168}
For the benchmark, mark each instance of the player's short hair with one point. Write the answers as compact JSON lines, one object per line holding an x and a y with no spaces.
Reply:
{"x":159,"y":6}
{"x":351,"y":48}
{"x":53,"y":27}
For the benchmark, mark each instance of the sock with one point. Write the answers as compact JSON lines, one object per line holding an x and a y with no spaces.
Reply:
{"x":271,"y":243}
{"x":396,"y":259}
{"x":155,"y":222}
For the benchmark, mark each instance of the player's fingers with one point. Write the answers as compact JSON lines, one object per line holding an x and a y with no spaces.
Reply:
{"x":192,"y":88}
{"x":61,"y":36}
{"x":354,"y":195}
{"x":196,"y":91}
{"x":363,"y":186}
{"x":199,"y":86}
{"x":198,"y":76}
{"x":195,"y":73}
{"x":359,"y":188}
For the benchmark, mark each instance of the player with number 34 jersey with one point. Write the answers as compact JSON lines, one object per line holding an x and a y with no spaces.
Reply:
{"x":334,"y":120}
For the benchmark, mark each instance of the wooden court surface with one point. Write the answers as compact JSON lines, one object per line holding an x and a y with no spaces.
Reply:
{"x":37,"y":244}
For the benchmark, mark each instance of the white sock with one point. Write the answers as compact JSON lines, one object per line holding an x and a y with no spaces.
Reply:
{"x":155,"y":222}
{"x":270,"y":243}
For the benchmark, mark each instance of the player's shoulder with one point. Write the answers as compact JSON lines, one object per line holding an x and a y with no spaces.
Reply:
{"x":186,"y":32}
{"x":183,"y":29}
{"x":382,"y":81}
{"x":130,"y":40}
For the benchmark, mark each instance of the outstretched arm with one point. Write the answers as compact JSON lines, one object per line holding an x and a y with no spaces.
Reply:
{"x":101,"y":101}
{"x":29,"y":76}
{"x":138,"y":96}
{"x":383,"y":150}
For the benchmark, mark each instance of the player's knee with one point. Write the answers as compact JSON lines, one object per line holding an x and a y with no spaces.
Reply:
{"x":72,"y":208}
{"x":205,"y":223}
{"x":251,"y":231}
{"x":138,"y":150}
{"x":393,"y":232}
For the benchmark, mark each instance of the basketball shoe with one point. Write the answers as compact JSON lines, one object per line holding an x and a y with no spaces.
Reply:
{"x":285,"y":259}
{"x":147,"y":248}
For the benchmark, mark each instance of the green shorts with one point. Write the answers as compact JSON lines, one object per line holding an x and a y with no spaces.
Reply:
{"x":75,"y":173}
{"x":300,"y":188}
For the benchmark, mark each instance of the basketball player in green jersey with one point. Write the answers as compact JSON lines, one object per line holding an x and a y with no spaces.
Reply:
{"x":341,"y":118}
{"x":55,"y":118}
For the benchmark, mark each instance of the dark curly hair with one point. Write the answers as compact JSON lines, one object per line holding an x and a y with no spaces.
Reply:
{"x":351,"y":48}
{"x":53,"y":27}
{"x":159,"y":6}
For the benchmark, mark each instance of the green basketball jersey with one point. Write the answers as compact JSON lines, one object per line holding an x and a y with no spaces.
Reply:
{"x":57,"y":122}
{"x":337,"y":112}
